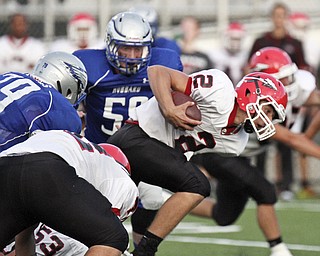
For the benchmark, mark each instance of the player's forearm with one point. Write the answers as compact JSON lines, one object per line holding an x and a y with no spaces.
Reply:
{"x":304,"y":145}
{"x":297,"y":141}
{"x":160,"y":83}
{"x":314,"y":126}
{"x":25,"y":244}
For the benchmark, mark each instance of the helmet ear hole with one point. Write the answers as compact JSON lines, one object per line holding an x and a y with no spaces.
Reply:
{"x":59,"y":88}
{"x":69,"y":92}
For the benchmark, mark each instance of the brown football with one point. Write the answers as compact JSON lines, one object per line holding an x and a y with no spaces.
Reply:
{"x":193,"y":111}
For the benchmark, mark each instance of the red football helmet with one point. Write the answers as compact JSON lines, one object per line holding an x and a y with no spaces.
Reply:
{"x":82,"y":29}
{"x":234,"y":36}
{"x":117,"y":154}
{"x":256,"y":90}
{"x":298,"y":25}
{"x":277,"y":62}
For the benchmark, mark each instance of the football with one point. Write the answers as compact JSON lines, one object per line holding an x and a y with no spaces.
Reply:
{"x":193,"y":111}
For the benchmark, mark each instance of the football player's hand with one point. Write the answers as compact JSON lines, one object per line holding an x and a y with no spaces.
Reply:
{"x":176,"y":115}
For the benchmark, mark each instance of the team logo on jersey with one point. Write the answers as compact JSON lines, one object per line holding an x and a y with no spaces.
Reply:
{"x":127,"y":89}
{"x":145,"y":80}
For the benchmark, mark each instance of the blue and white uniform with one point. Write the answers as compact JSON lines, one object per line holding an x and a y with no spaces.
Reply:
{"x":28,"y":104}
{"x":112,"y":97}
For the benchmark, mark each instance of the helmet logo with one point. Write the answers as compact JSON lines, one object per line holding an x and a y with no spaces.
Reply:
{"x":268,"y":83}
{"x":76,"y":73}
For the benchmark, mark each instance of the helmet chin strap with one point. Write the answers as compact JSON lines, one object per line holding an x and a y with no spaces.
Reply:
{"x":248,"y":126}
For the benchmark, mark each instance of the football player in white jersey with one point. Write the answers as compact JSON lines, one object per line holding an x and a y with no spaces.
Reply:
{"x":159,"y":133}
{"x":85,"y":193}
{"x":82,"y":33}
{"x":19,"y":51}
{"x":302,"y":94}
{"x":232,"y":56}
{"x":234,"y":186}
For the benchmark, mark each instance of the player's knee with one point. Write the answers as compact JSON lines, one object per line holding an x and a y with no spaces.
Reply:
{"x":197,"y":184}
{"x":267,"y":195}
{"x":224,"y":219}
{"x":224,"y":222}
{"x":142,"y":219}
{"x":118,"y":239}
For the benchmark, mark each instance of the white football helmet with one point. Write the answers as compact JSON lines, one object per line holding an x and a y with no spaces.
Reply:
{"x":123,"y":30}
{"x":150,"y":14}
{"x":82,"y":29}
{"x":65,"y":72}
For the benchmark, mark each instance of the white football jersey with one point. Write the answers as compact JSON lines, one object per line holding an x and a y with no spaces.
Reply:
{"x":20,"y":55}
{"x":101,"y":170}
{"x":50,"y":242}
{"x":215,"y":95}
{"x":306,"y":83}
{"x":67,"y":45}
{"x":231,"y":64}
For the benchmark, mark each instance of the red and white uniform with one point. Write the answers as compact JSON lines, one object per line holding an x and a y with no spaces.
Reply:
{"x":50,"y":242}
{"x":306,"y":83}
{"x":215,"y":95}
{"x":82,"y":33}
{"x":99,"y":169}
{"x":20,"y":55}
{"x":67,"y":45}
{"x":231,"y":64}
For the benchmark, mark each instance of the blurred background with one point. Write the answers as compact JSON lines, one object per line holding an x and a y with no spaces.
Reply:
{"x":48,"y":18}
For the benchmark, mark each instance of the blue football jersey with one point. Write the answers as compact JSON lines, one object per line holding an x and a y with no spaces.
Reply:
{"x":163,"y":42}
{"x":27,"y":105}
{"x":110,"y":96}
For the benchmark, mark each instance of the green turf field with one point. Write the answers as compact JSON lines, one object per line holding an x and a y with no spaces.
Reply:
{"x":300,"y":225}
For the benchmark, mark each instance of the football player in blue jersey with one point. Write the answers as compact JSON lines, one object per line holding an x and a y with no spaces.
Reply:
{"x":117,"y":83}
{"x":117,"y":75}
{"x":41,"y":100}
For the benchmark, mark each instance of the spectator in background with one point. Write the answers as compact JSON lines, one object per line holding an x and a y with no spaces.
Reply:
{"x":82,"y":33}
{"x":151,"y":15}
{"x":279,"y":37}
{"x":193,"y":60}
{"x":19,"y":51}
{"x":298,"y":26}
{"x":231,"y":56}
